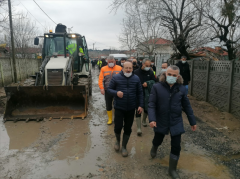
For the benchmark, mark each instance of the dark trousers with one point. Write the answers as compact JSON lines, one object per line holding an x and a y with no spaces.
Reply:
{"x":108,"y":100}
{"x":123,"y":119}
{"x":175,"y":142}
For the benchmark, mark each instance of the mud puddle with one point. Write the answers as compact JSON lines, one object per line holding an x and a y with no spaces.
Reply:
{"x":56,"y":149}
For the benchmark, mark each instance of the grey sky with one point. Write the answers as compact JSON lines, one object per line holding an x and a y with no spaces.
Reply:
{"x":91,"y":18}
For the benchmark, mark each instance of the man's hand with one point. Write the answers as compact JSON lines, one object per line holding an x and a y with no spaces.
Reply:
{"x":120,"y":94}
{"x":102,"y":91}
{"x":140,"y":109}
{"x":145,"y":84}
{"x":194,"y":128}
{"x":153,"y":124}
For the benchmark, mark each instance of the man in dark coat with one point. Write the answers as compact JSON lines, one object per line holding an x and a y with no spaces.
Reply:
{"x":145,"y":74}
{"x":153,"y":66}
{"x":104,"y":62}
{"x":135,"y":65}
{"x":184,"y":71}
{"x":123,"y":60}
{"x":165,"y":114}
{"x":140,"y":60}
{"x":126,"y":89}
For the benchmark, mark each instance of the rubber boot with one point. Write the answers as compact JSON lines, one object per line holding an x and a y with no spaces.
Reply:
{"x":173,"y":161}
{"x":109,"y":117}
{"x":117,"y":144}
{"x":138,"y":121}
{"x":144,"y":118}
{"x":154,"y":151}
{"x":124,"y":145}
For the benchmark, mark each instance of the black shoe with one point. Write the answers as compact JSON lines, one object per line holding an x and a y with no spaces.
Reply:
{"x":117,"y":144}
{"x":173,"y":167}
{"x":124,"y":145}
{"x":154,"y":151}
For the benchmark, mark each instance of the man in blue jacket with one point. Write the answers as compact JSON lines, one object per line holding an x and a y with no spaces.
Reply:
{"x":126,"y":89}
{"x":165,"y":114}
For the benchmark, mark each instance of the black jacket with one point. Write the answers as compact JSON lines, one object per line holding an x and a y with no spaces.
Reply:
{"x":153,"y":67}
{"x":139,"y":64}
{"x":165,"y":107}
{"x":135,"y":67}
{"x":131,"y":88}
{"x":144,"y":76}
{"x":104,"y":63}
{"x":184,"y":72}
{"x":118,"y":63}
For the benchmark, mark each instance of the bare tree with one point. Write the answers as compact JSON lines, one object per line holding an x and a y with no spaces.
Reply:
{"x":224,"y":20}
{"x":181,"y":19}
{"x":140,"y":29}
{"x":127,"y":36}
{"x":3,"y":12}
{"x":24,"y":32}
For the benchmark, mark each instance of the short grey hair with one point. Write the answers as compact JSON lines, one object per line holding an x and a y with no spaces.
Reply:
{"x":110,"y":58}
{"x":146,"y":59}
{"x":174,"y":67}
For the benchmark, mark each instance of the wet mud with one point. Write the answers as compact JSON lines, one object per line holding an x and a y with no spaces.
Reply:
{"x":73,"y":149}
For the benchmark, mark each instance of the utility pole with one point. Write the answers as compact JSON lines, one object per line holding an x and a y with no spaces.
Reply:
{"x":12,"y":42}
{"x":93,"y":45}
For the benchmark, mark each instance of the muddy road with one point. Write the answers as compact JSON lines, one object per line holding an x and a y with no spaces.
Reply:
{"x":72,"y":149}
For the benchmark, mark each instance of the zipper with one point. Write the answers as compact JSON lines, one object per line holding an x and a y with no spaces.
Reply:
{"x":171,"y":95}
{"x":127,"y":92}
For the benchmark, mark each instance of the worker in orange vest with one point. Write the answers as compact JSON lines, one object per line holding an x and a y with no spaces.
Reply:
{"x":105,"y":76}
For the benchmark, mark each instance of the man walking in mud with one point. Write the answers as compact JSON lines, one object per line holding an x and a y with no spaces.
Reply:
{"x":165,"y":114}
{"x":106,"y":74}
{"x":126,"y":89}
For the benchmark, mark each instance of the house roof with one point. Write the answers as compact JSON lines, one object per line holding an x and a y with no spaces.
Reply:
{"x":159,"y":41}
{"x":201,"y":51}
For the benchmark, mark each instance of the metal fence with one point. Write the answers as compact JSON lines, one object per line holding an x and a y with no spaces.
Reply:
{"x":25,"y":68}
{"x":217,"y":83}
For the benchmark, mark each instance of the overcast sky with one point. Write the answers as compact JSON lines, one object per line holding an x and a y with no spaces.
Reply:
{"x":91,"y":18}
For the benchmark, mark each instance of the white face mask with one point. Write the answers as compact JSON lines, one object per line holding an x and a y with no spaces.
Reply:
{"x":184,"y":62}
{"x":147,"y":68}
{"x":152,"y":63}
{"x":111,"y":65}
{"x":122,"y":64}
{"x":128,"y":74}
{"x":163,"y":70}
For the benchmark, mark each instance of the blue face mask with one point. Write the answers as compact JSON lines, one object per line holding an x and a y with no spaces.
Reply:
{"x":171,"y":80}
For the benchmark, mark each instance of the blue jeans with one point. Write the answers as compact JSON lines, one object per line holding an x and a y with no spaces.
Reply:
{"x":186,"y":86}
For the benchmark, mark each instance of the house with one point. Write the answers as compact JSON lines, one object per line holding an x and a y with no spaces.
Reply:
{"x":160,"y":47}
{"x":3,"y":51}
{"x":209,"y":53}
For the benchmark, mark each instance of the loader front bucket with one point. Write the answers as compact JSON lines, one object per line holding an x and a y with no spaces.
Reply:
{"x":39,"y":102}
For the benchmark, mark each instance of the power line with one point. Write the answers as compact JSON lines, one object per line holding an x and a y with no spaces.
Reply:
{"x":97,"y":42}
{"x":31,"y":14}
{"x":44,"y":12}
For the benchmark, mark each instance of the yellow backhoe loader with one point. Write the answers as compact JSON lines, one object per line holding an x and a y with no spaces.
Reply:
{"x":62,"y":86}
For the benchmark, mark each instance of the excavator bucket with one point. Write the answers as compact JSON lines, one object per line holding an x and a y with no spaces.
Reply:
{"x":39,"y":102}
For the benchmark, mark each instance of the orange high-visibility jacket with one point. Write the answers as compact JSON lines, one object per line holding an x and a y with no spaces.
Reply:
{"x":106,"y":75}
